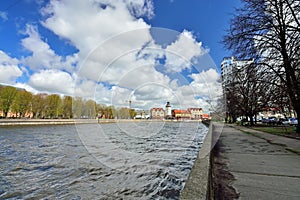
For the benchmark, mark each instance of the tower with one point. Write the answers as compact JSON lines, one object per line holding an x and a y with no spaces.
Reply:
{"x":168,"y":114}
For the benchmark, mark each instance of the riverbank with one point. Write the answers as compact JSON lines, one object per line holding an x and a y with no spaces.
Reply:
{"x":198,"y":184}
{"x":19,"y":122}
{"x":16,"y":122}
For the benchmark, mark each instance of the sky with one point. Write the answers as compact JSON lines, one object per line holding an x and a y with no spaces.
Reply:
{"x":114,"y":51}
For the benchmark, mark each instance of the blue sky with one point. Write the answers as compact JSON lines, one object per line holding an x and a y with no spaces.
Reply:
{"x":111,"y":51}
{"x":207,"y":19}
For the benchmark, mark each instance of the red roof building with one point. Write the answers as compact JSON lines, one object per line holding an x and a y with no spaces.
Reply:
{"x":157,"y":113}
{"x":205,"y":116}
{"x":181,"y":114}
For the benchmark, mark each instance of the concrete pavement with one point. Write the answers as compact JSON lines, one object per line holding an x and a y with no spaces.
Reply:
{"x":262,"y":169}
{"x":289,"y":143}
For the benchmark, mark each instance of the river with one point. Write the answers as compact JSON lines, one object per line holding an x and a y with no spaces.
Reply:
{"x":142,"y":160}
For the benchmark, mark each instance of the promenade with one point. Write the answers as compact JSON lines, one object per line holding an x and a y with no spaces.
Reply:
{"x":256,"y":165}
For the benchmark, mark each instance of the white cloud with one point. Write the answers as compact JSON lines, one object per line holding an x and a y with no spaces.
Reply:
{"x":3,"y":16}
{"x":89,"y":89}
{"x":9,"y":73}
{"x":139,"y":75}
{"x":43,"y":57}
{"x":141,"y":7}
{"x":6,"y":59}
{"x":109,"y":37}
{"x":207,"y":83}
{"x":9,"y":70}
{"x":117,"y":57}
{"x":86,"y":24}
{"x":53,"y":81}
{"x":182,"y":53}
{"x":208,"y":76}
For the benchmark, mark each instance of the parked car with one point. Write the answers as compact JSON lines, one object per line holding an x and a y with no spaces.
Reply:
{"x":264,"y":120}
{"x":284,"y":121}
{"x":272,"y":120}
{"x":293,"y":121}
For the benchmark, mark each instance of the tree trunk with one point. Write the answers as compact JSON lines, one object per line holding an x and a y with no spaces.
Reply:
{"x":251,"y":121}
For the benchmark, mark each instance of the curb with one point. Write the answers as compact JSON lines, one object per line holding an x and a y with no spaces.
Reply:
{"x":199,"y":184}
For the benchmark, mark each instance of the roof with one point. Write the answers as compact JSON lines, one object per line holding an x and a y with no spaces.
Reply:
{"x":180,"y":111}
{"x":156,"y":109}
{"x":194,"y":109}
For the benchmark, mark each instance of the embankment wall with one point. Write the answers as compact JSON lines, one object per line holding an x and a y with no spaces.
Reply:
{"x":199,"y":183}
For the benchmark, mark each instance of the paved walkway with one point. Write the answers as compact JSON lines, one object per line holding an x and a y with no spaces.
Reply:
{"x":261,"y":168}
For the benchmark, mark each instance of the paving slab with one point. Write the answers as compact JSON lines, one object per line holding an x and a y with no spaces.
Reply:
{"x":262,"y":170}
{"x":288,"y":143}
{"x":257,"y":186}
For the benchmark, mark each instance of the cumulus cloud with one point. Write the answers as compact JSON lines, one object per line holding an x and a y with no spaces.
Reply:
{"x":9,"y":73}
{"x":140,"y":8}
{"x":207,"y":83}
{"x":93,"y":22}
{"x":182,"y":53}
{"x":43,"y":57}
{"x":9,"y":69}
{"x":208,"y":76}
{"x":53,"y":81}
{"x":108,"y":36}
{"x":117,"y":56}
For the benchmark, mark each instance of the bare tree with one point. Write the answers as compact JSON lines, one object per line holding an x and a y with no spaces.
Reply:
{"x":246,"y":93}
{"x":268,"y":31}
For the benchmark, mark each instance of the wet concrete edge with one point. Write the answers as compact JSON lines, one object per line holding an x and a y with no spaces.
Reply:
{"x":199,"y":183}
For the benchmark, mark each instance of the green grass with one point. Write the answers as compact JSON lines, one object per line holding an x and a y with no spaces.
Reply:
{"x":277,"y":130}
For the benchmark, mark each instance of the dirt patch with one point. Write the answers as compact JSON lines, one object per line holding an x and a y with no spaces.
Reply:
{"x":222,"y":178}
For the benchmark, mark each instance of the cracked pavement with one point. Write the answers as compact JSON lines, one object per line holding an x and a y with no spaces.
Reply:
{"x":261,"y":170}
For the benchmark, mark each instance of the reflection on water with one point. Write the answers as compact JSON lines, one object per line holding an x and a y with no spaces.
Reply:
{"x":109,"y":161}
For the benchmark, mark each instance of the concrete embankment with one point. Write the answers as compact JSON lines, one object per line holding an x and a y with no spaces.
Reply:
{"x":199,"y":185}
{"x":14,"y":122}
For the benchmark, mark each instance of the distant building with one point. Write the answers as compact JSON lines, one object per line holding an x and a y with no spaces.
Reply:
{"x":168,"y":113}
{"x":195,"y":113}
{"x":230,"y":67}
{"x":205,"y":116}
{"x":157,"y":113}
{"x":181,"y":114}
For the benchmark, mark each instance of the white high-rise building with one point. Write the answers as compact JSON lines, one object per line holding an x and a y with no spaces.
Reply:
{"x":227,"y":68}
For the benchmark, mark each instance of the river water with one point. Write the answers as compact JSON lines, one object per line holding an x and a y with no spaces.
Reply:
{"x":144,"y":160}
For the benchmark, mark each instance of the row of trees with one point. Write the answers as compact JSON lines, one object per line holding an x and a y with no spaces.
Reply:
{"x":267,"y":31}
{"x":21,"y":103}
{"x":252,"y":91}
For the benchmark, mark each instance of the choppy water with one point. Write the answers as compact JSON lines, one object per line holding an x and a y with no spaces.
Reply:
{"x":146,"y":160}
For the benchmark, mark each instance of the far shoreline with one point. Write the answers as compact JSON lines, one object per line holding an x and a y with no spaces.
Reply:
{"x":24,"y":121}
